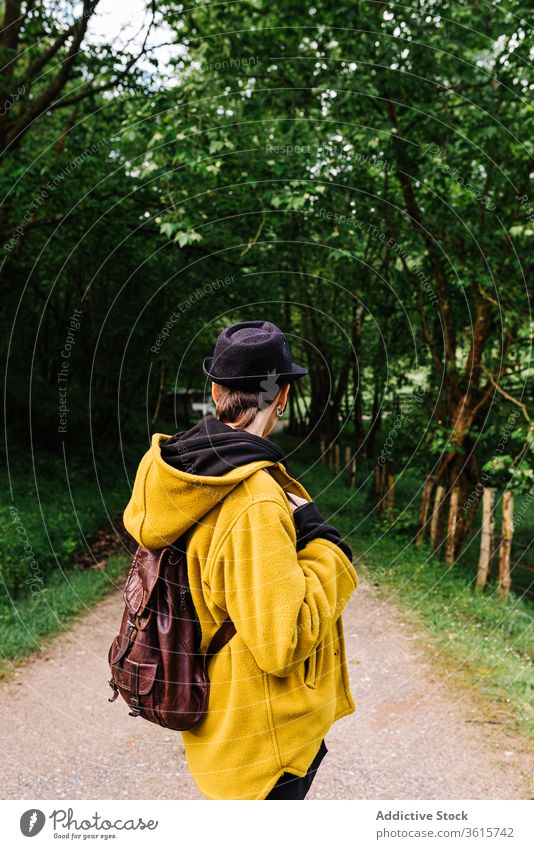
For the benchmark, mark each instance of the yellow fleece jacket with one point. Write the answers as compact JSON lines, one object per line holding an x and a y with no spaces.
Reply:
{"x":282,"y":680}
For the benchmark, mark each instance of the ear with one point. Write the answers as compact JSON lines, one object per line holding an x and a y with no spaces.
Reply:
{"x":282,"y":397}
{"x":214,"y":391}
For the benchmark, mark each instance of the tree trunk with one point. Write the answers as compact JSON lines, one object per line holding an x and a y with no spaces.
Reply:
{"x":466,"y":398}
{"x":376,"y":414}
{"x":487,"y":536}
{"x":323,"y":413}
{"x":435,"y":522}
{"x":452,"y":526}
{"x":161,"y":387}
{"x":337,"y":457}
{"x":326,"y":392}
{"x":299,"y":422}
{"x":389,"y":495}
{"x":359,"y":429}
{"x":505,"y":552}
{"x":382,"y":479}
{"x":292,"y":425}
{"x":330,"y":456}
{"x":425,"y":510}
{"x":377,"y":483}
{"x":350,"y":468}
{"x":459,"y":471}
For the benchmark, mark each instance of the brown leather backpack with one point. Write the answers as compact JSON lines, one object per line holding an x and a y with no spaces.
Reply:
{"x":155,"y":661}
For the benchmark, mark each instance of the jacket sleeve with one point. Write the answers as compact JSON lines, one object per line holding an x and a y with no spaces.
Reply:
{"x":310,"y":524}
{"x":282,"y":601}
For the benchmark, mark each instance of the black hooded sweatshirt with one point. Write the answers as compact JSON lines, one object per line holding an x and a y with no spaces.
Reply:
{"x":213,"y":448}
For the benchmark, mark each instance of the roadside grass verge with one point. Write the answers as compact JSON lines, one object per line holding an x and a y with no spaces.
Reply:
{"x":485,"y":643}
{"x":49,"y":528}
{"x":52,"y":516}
{"x":28,"y":623}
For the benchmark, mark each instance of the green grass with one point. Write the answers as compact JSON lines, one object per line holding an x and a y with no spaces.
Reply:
{"x":52,"y":518}
{"x":27,"y":624}
{"x":485,"y":643}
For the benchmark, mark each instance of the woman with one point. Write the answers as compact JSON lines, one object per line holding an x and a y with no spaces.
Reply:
{"x":259,"y":551}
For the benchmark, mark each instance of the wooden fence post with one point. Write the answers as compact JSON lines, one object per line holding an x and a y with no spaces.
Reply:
{"x":389,"y":495}
{"x":330,"y":453}
{"x":425,"y":510}
{"x":348,"y":459}
{"x":384,"y":484}
{"x":436,"y":515}
{"x":380,"y":472}
{"x":487,"y":536}
{"x":350,"y":467}
{"x":337,"y":464}
{"x":506,"y":543}
{"x":452,"y":524}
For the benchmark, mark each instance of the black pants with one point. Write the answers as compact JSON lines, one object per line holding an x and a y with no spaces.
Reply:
{"x":291,"y":786}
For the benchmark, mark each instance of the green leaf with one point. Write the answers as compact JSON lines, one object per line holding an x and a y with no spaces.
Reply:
{"x":167,"y":229}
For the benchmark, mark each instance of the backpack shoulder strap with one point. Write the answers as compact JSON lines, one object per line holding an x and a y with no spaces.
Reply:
{"x":288,"y":495}
{"x":222,"y":635}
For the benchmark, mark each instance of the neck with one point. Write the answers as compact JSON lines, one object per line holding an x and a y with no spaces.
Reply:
{"x":258,"y":427}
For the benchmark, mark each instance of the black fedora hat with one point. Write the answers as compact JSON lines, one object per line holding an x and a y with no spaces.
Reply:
{"x":249,"y":353}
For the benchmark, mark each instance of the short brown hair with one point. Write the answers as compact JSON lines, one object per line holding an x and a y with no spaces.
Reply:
{"x":236,"y":406}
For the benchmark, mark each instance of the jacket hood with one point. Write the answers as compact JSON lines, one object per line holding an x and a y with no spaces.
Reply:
{"x":180,"y":495}
{"x":214,"y":448}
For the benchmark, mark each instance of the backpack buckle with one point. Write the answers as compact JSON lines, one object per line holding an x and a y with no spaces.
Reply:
{"x":140,"y":624}
{"x":134,"y":704}
{"x":115,"y":689}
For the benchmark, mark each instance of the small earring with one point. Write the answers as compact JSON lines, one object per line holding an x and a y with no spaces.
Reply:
{"x":279,"y":412}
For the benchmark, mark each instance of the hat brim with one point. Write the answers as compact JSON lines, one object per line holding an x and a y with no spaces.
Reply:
{"x":251,"y":381}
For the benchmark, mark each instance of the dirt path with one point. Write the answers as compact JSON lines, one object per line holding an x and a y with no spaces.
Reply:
{"x":412,"y":737}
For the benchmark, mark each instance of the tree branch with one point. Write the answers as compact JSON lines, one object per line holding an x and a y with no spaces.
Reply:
{"x":9,"y":34}
{"x":92,"y":90}
{"x":414,"y":211}
{"x":481,"y":332}
{"x":427,"y":336}
{"x":505,"y":394}
{"x":47,"y":54}
{"x":44,"y":100}
{"x":255,"y":238}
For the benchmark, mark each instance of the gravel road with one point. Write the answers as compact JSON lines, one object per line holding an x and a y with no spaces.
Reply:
{"x":415,"y":735}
